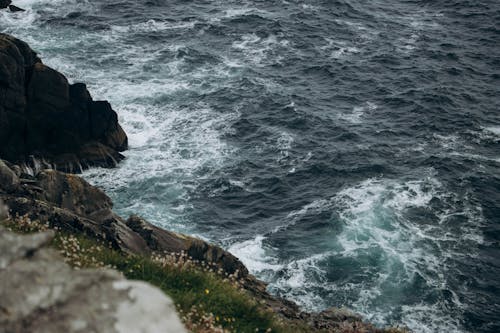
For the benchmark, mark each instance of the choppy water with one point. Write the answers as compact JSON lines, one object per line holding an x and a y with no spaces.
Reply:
{"x":347,"y":151}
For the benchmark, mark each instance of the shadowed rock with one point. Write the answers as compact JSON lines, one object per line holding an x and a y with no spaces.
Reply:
{"x":5,"y":3}
{"x":41,"y":293}
{"x":70,"y":203}
{"x":16,"y":9}
{"x":45,"y":120}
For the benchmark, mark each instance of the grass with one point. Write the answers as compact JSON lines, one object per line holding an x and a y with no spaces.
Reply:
{"x":207,"y":300}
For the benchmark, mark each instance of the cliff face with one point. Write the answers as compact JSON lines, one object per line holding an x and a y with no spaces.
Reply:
{"x":44,"y":117}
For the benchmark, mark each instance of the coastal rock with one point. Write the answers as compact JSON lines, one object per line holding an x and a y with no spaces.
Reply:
{"x":41,"y":293}
{"x":160,"y":240}
{"x":71,"y":204}
{"x":70,"y":192}
{"x":8,"y":178}
{"x":46,"y":120}
{"x":16,"y":9}
{"x":5,"y":3}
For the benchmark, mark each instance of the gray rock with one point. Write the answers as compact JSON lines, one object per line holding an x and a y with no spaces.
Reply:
{"x":9,"y":181}
{"x":41,"y":293}
{"x":4,"y":211}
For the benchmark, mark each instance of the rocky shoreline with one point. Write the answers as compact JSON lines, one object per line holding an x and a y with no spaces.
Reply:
{"x":45,"y":122}
{"x":48,"y":127}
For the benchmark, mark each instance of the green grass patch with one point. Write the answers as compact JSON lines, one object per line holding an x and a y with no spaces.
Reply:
{"x":206,"y":301}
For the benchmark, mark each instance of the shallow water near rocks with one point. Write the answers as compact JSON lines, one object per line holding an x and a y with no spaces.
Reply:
{"x":347,"y":151}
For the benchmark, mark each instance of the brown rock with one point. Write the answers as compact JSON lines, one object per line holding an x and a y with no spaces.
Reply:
{"x":161,"y":240}
{"x":73,"y":193}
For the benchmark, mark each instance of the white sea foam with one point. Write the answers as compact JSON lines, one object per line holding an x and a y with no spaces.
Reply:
{"x":154,"y":26}
{"x":416,"y":25}
{"x":254,"y":255}
{"x":492,"y":131}
{"x":260,"y":51}
{"x":358,"y":113}
{"x":426,"y":318}
{"x":284,"y":144}
{"x":375,"y":219}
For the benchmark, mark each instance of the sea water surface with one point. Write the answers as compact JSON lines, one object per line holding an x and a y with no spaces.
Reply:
{"x":347,"y":151}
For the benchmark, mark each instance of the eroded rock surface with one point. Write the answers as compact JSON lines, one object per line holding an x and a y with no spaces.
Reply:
{"x":70,"y":203}
{"x":41,"y":293}
{"x":45,"y":120}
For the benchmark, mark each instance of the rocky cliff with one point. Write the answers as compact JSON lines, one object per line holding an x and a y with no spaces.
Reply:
{"x":45,"y":120}
{"x":47,"y":126}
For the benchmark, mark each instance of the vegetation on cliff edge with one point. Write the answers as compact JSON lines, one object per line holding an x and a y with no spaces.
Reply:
{"x":207,"y":300}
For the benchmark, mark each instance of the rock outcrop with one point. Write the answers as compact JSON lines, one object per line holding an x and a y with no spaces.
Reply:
{"x":15,"y":9}
{"x":69,"y":203}
{"x":44,"y":119}
{"x":5,"y":3}
{"x":41,"y":293}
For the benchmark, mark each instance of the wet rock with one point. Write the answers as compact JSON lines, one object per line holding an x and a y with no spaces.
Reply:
{"x":16,"y":9}
{"x":41,"y":293}
{"x":5,"y":3}
{"x":4,"y":211}
{"x":43,"y":117}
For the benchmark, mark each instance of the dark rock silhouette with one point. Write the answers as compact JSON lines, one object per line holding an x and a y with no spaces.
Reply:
{"x":5,"y":3}
{"x":14,"y":9}
{"x":44,"y":118}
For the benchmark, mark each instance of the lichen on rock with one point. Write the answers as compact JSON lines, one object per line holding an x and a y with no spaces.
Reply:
{"x":41,"y":293}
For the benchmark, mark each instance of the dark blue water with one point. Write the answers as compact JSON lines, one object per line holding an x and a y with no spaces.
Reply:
{"x":347,"y":151}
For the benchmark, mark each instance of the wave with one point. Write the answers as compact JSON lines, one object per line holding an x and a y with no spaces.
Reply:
{"x":388,"y":231}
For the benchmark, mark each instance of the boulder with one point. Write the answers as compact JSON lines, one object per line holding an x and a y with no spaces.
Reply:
{"x":44,"y":117}
{"x":41,"y":293}
{"x":5,"y":3}
{"x":70,"y":192}
{"x":161,"y":240}
{"x":16,"y":9}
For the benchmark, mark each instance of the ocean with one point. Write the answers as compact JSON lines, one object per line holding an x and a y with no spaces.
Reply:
{"x":348,"y":152}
